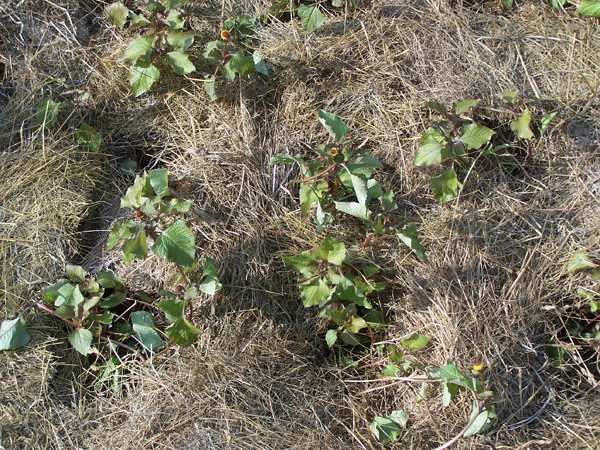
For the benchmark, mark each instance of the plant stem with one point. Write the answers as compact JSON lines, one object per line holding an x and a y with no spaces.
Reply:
{"x":320,"y":174}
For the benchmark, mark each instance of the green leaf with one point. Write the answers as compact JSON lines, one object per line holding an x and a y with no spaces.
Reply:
{"x":106,"y":318}
{"x":242,"y":64}
{"x":507,"y":4}
{"x":76,"y":274}
{"x":174,"y":205}
{"x":331,"y":337}
{"x":139,"y":47}
{"x":310,"y":16}
{"x":589,"y":8}
{"x":463,"y":106}
{"x":483,"y":421}
{"x":121,"y":232}
{"x":590,"y":297}
{"x":173,"y":309}
{"x":176,"y":244}
{"x":88,"y":138}
{"x":47,"y":113}
{"x":521,"y":126}
{"x":283,"y":158}
{"x":430,"y":149}
{"x":135,"y":248}
{"x":452,"y":374}
{"x":210,"y":88}
{"x":159,"y":180}
{"x":409,"y":236}
{"x":51,"y":293}
{"x":546,"y":119}
{"x":391,"y":370}
{"x":129,"y":167}
{"x":445,"y":186}
{"x":387,"y":429}
{"x":475,"y":136}
{"x":182,"y":332}
{"x":332,"y":251}
{"x":259,"y":63}
{"x":557,"y":3}
{"x":13,"y":334}
{"x":141,"y":78}
{"x":180,"y":63}
{"x":81,"y":340}
{"x":449,"y":393}
{"x":143,"y":326}
{"x":175,"y":20}
{"x":117,"y":14}
{"x":314,"y":293}
{"x":357,"y":324}
{"x":333,"y":124}
{"x":596,"y":274}
{"x":580,"y":261}
{"x":509,"y":98}
{"x":210,"y":280}
{"x":180,"y":40}
{"x":137,"y":21}
{"x":358,"y":210}
{"x":437,"y":107}
{"x":115,"y":299}
{"x":415,"y":342}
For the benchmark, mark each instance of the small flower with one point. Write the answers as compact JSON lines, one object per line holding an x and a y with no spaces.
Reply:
{"x":139,"y":215}
{"x":225,"y":35}
{"x":478,"y":367}
{"x":333,"y":151}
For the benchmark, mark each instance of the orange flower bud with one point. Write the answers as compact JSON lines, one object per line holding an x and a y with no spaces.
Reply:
{"x":225,"y":35}
{"x":478,"y":367}
{"x":333,"y":151}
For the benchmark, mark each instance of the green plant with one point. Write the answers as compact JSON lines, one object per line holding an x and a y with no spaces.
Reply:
{"x":164,"y":40}
{"x":521,"y":123}
{"x":233,"y":53}
{"x":338,"y":178}
{"x":310,"y":14}
{"x":332,"y":282}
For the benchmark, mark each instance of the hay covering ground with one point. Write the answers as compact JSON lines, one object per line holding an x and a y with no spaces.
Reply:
{"x":261,"y":377}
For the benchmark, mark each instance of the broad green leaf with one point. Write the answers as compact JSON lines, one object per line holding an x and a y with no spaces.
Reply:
{"x":409,"y":236}
{"x":227,"y":71}
{"x":106,"y":318}
{"x":143,"y":326}
{"x":76,"y":274}
{"x":310,"y":194}
{"x":333,"y":124}
{"x":139,"y":47}
{"x":51,"y":293}
{"x":13,"y":334}
{"x":557,"y":3}
{"x":546,"y":119}
{"x":47,"y":113}
{"x":437,"y":107}
{"x":242,"y":64}
{"x":135,"y":248}
{"x":182,"y":332}
{"x":310,"y":16}
{"x":314,"y":293}
{"x":590,"y":297}
{"x":305,"y":263}
{"x":387,"y":429}
{"x":136,"y":22}
{"x":180,"y":40}
{"x":348,"y":291}
{"x":210,"y":88}
{"x":580,"y":261}
{"x":415,"y":342}
{"x":174,"y":205}
{"x":521,"y":126}
{"x":180,"y":63}
{"x":445,"y":186}
{"x":483,"y":421}
{"x":463,"y":106}
{"x":357,"y":324}
{"x":430,"y":149}
{"x":452,"y":374}
{"x":114,"y":299}
{"x":475,"y":136}
{"x":141,"y":78}
{"x":210,"y":283}
{"x":332,"y":251}
{"x":391,"y":370}
{"x":331,"y":337}
{"x":259,"y":63}
{"x":589,"y":8}
{"x":159,"y":180}
{"x":81,"y":340}
{"x":117,"y":14}
{"x":129,"y":167}
{"x":283,"y":158}
{"x":88,"y":138}
{"x":449,"y":393}
{"x":120,"y":232}
{"x":173,"y":309}
{"x":354,"y":209}
{"x":176,"y":244}
{"x":175,"y":20}
{"x":359,"y":185}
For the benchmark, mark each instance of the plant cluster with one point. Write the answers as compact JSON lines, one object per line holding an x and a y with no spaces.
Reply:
{"x":586,"y":8}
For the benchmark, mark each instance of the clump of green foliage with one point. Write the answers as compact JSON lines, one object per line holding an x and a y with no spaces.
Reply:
{"x":164,"y":41}
{"x":309,"y":13}
{"x":233,"y":53}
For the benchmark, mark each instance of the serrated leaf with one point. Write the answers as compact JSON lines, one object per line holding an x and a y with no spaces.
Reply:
{"x":174,"y":19}
{"x":410,"y":237}
{"x":180,"y":40}
{"x":13,"y":334}
{"x":520,"y":126}
{"x":159,"y":180}
{"x":176,"y":244}
{"x":210,"y":283}
{"x":135,"y":248}
{"x":437,"y":107}
{"x":391,"y":370}
{"x":143,"y":326}
{"x":431,"y":146}
{"x":76,"y":274}
{"x":445,"y":186}
{"x":333,"y":124}
{"x":182,"y":332}
{"x":88,"y":138}
{"x":358,"y":210}
{"x":242,"y":64}
{"x":589,"y":8}
{"x":314,"y":293}
{"x":180,"y":63}
{"x":580,"y":261}
{"x":415,"y":342}
{"x":331,"y":337}
{"x":136,"y":22}
{"x":115,"y":299}
{"x":310,"y":16}
{"x":463,"y":106}
{"x":305,"y":263}
{"x":476,"y":136}
{"x":81,"y":340}
{"x":51,"y":293}
{"x":332,"y":251}
{"x":357,"y":324}
{"x":47,"y":113}
{"x":141,"y":78}
{"x":173,"y":309}
{"x":139,"y":47}
{"x":117,"y":14}
{"x":387,"y":429}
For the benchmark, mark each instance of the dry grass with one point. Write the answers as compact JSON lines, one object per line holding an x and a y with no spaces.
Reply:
{"x":261,"y":377}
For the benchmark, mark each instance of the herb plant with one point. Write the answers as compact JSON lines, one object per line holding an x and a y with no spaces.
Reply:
{"x":164,"y":40}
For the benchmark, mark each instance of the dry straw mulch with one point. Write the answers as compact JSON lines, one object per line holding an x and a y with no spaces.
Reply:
{"x":261,"y":377}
